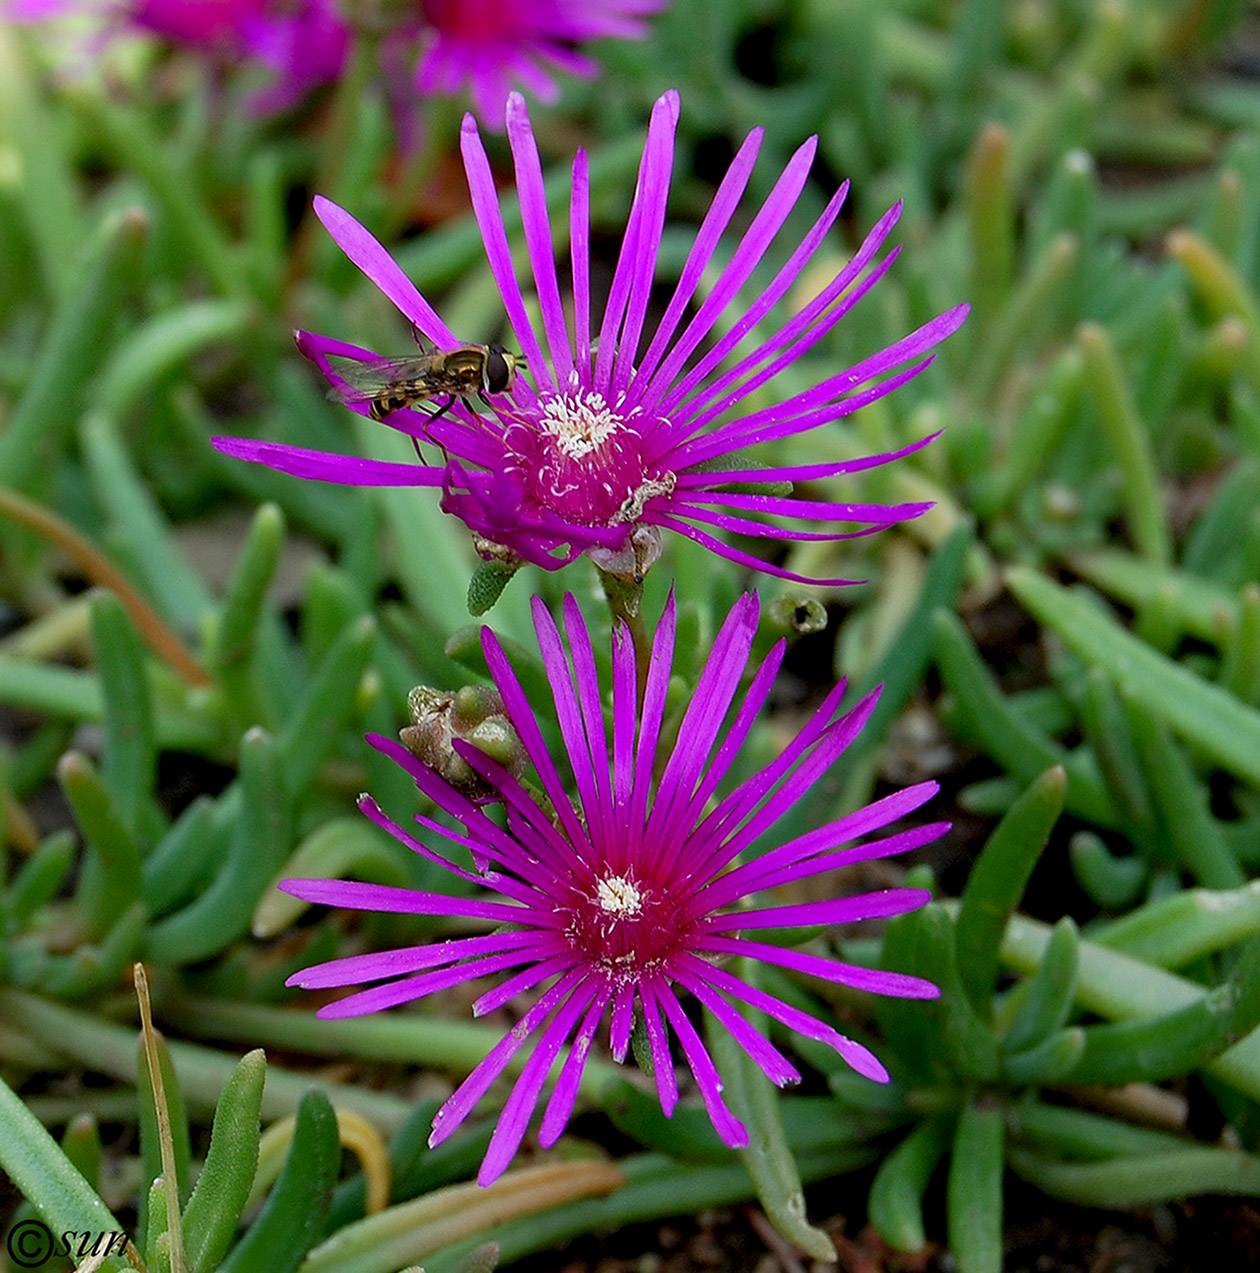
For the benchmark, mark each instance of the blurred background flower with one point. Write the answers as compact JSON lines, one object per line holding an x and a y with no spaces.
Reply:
{"x":448,"y":48}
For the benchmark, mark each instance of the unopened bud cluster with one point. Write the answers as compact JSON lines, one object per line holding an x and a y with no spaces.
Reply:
{"x":474,"y":714}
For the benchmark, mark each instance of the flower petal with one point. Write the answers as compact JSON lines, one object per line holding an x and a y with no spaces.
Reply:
{"x":363,"y":248}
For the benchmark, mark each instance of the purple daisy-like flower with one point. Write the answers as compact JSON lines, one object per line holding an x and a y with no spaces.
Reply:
{"x":304,"y":42}
{"x":487,"y":44}
{"x":631,"y":892}
{"x":208,"y":24}
{"x":613,"y":433}
{"x":434,"y":47}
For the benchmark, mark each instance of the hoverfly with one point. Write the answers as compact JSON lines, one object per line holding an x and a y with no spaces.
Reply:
{"x":385,"y":385}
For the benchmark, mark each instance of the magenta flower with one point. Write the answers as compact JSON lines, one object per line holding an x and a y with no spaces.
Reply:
{"x":440,"y":47}
{"x":202,"y":22}
{"x":613,"y":432}
{"x":630,"y":892}
{"x":486,"y":44}
{"x":209,"y":24}
{"x":304,"y":44}
{"x":303,"y":41}
{"x":436,"y":47}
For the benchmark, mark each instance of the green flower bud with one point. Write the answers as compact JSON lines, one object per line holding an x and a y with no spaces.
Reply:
{"x":474,"y":714}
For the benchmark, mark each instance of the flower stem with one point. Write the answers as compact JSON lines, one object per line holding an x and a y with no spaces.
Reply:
{"x":101,"y":571}
{"x":625,"y":601}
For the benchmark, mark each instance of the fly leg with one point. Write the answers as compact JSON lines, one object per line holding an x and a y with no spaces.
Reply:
{"x":444,"y":408}
{"x":441,"y":411}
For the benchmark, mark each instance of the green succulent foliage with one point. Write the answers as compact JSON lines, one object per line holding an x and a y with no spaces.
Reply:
{"x":994,"y":1051}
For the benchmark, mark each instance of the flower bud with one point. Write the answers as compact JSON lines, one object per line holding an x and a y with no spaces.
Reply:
{"x":474,"y":714}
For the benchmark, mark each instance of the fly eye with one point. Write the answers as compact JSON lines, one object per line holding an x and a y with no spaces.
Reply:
{"x":498,"y":372}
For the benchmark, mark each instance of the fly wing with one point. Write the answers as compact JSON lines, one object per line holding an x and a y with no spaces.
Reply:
{"x":368,"y":380}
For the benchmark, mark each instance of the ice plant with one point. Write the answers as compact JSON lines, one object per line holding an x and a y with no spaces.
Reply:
{"x":430,"y":47}
{"x":304,"y":42}
{"x":209,"y":24}
{"x":614,"y":431}
{"x":487,"y":44}
{"x":442,"y":47}
{"x":622,"y":896}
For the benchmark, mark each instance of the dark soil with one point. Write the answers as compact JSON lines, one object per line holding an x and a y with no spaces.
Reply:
{"x":1208,"y":1235}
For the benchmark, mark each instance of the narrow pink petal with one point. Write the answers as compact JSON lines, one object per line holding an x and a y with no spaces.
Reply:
{"x":741,"y":558}
{"x":807,"y":325}
{"x":863,"y":1060}
{"x":366,"y":252}
{"x":708,"y":1080}
{"x":583,"y":655}
{"x":753,"y":430}
{"x":527,"y":822}
{"x":874,"y":980}
{"x":752,"y":247}
{"x":622,"y":1022}
{"x":492,"y":842}
{"x":568,"y":713}
{"x":773,"y":1064}
{"x":524,"y":980}
{"x":537,"y":224}
{"x":580,"y":251}
{"x":472,"y":843}
{"x":372,"y":810}
{"x":454,"y":427}
{"x":845,"y":910}
{"x":653,"y":198}
{"x":522,"y":717}
{"x":788,"y":506}
{"x":736,"y":806}
{"x":477,"y":1084}
{"x":760,"y":367}
{"x":323,"y":466}
{"x":699,"y":730}
{"x":657,"y":153}
{"x":352,"y":895}
{"x":798,"y":472}
{"x":768,"y":530}
{"x":803,"y":406}
{"x":560,"y":1106}
{"x":485,"y":201}
{"x":816,"y":318}
{"x":658,"y":1042}
{"x":870,"y":817}
{"x":653,"y":713}
{"x":718,"y":217}
{"x":426,"y":983}
{"x":821,"y":741}
{"x":354,"y":970}
{"x":719,"y":893}
{"x":625,"y":709}
{"x":321,"y":349}
{"x":513,"y":1122}
{"x":733,"y":738}
{"x":800,"y":854}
